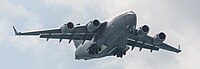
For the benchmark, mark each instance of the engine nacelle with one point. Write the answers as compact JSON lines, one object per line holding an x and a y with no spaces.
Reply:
{"x":142,"y":31}
{"x":93,"y":25}
{"x":67,"y":27}
{"x":159,"y":38}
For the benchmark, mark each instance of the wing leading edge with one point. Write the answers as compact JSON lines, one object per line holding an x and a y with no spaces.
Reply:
{"x":37,"y":32}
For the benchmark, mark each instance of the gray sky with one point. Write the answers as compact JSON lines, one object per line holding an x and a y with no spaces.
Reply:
{"x":179,"y":19}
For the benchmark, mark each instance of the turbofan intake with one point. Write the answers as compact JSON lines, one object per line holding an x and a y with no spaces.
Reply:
{"x":93,"y":25}
{"x":142,"y":31}
{"x":159,"y":38}
{"x":67,"y":27}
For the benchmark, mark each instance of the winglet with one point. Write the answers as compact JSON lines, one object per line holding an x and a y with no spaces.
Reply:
{"x":179,"y":48}
{"x":16,"y":33}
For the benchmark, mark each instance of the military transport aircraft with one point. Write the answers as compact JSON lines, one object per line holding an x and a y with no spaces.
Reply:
{"x":113,"y":38}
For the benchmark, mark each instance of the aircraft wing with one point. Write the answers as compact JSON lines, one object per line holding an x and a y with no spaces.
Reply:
{"x":37,"y":32}
{"x":139,"y":44}
{"x":74,"y":36}
{"x":78,"y":33}
{"x":147,"y":42}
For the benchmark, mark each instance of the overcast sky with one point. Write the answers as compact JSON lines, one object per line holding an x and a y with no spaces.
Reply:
{"x":179,"y":19}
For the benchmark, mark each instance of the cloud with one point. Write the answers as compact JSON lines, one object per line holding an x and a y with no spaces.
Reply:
{"x":178,"y":19}
{"x":4,"y":23}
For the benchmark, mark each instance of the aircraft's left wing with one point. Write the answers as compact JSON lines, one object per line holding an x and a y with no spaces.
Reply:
{"x":147,"y":42}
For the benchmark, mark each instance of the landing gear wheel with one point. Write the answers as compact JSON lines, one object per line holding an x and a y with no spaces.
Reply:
{"x":99,"y":48}
{"x":117,"y":55}
{"x":94,"y":49}
{"x":121,"y":55}
{"x":124,"y":52}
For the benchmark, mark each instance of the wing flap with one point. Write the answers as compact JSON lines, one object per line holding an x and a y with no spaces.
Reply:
{"x":73,"y":36}
{"x":133,"y":43}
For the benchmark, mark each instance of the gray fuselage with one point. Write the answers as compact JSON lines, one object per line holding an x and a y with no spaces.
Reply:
{"x":113,"y":36}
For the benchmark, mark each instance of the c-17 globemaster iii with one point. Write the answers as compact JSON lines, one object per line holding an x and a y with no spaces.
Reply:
{"x":112,"y":38}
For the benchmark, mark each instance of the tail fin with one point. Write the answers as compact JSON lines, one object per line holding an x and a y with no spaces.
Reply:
{"x":77,"y":42}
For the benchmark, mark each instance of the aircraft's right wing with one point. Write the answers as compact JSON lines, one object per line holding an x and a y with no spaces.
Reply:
{"x":76,"y":33}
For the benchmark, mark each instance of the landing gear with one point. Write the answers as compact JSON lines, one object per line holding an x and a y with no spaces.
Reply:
{"x":94,"y":49}
{"x":76,"y":57}
{"x":119,"y":53}
{"x":124,"y":52}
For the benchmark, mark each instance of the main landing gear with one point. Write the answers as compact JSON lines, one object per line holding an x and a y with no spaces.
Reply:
{"x":119,"y":52}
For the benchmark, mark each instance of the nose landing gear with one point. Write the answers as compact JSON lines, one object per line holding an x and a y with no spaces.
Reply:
{"x":94,"y":49}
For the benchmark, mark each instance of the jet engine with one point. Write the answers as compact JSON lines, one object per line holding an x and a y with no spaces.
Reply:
{"x":93,"y":25}
{"x":159,"y":38}
{"x":67,"y":27}
{"x":142,"y":31}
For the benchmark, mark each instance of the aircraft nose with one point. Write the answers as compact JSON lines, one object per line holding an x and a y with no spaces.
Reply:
{"x":130,"y":16}
{"x":130,"y":12}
